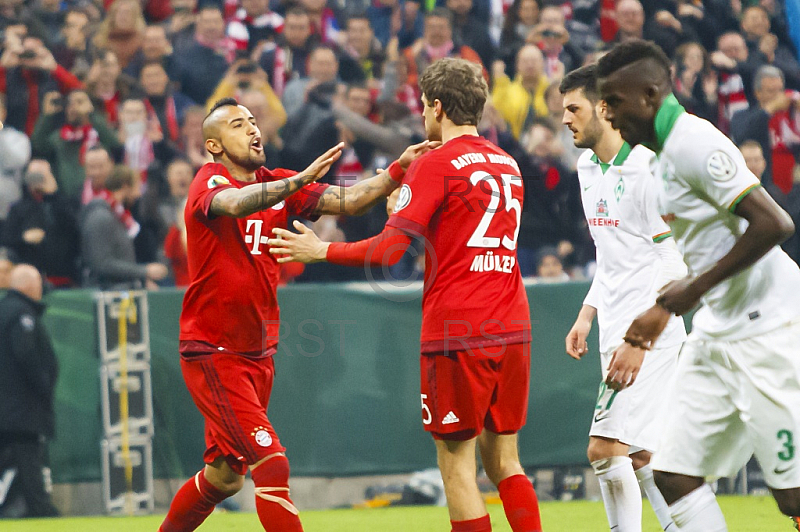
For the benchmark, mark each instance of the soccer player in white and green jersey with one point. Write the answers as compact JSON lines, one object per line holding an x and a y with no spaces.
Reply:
{"x":738,"y":378}
{"x":636,"y":256}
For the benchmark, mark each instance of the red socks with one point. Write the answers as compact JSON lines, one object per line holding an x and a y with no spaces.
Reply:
{"x":275,"y":509}
{"x":481,"y":524}
{"x":520,"y":504}
{"x":192,"y":504}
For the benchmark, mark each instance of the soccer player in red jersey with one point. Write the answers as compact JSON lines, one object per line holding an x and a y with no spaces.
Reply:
{"x":465,"y":200}
{"x":229,"y":323}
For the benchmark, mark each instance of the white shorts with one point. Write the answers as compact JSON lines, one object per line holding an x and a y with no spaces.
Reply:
{"x":634,"y":416}
{"x":733,"y":399}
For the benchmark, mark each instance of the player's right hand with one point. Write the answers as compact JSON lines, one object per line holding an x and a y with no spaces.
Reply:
{"x":576,"y":339}
{"x":323,"y":163}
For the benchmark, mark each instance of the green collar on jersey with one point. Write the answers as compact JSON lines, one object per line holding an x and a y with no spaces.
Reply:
{"x":622,"y":154}
{"x":666,"y":116}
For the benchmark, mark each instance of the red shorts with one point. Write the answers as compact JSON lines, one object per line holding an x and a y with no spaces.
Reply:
{"x":464,"y":392}
{"x":232,"y":393}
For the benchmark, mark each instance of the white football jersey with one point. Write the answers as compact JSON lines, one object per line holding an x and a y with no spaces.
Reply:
{"x":619,"y":200}
{"x":703,"y":177}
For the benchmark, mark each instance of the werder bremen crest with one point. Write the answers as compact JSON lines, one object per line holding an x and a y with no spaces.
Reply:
{"x":602,"y":208}
{"x":619,"y":189}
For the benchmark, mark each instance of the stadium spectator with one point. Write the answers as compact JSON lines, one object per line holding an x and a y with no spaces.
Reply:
{"x":108,"y":230}
{"x":396,"y":87}
{"x":736,"y":68}
{"x":143,"y":138}
{"x":549,"y":268}
{"x":253,"y":24}
{"x":312,"y":125}
{"x":179,"y":175}
{"x":42,"y":229}
{"x":674,"y":24}
{"x":629,"y":15}
{"x":323,"y":21}
{"x":552,"y":38}
{"x":437,"y":42}
{"x":164,"y":105}
{"x":66,"y":141}
{"x":122,"y":30}
{"x":754,"y":157}
{"x":201,"y":65}
{"x":15,"y":152}
{"x":773,"y":123}
{"x":27,"y":377}
{"x":363,"y":51}
{"x":192,"y":142}
{"x":522,"y":100}
{"x":97,"y":166}
{"x":175,"y":248}
{"x":521,"y":18}
{"x":107,"y":85}
{"x":155,"y":47}
{"x":259,"y":105}
{"x":180,"y":25}
{"x":412,"y":22}
{"x":287,"y":58}
{"x":73,"y":50}
{"x":696,"y":84}
{"x":28,"y":71}
{"x":7,"y":260}
{"x":552,"y":214}
{"x":245,"y":75}
{"x":323,"y":67}
{"x":383,"y":18}
{"x":47,"y":19}
{"x":470,"y":30}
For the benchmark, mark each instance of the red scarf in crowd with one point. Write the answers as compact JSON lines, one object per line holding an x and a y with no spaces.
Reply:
{"x":132,"y":227}
{"x":86,"y":135}
{"x":171,"y":112}
{"x":784,"y":134}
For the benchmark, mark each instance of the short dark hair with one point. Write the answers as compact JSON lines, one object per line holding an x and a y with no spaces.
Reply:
{"x":121,"y":176}
{"x":297,"y":11}
{"x":225,"y":102}
{"x":629,"y":52}
{"x":358,"y":16}
{"x":459,"y":85}
{"x":750,"y":143}
{"x":441,"y":12}
{"x":583,"y":78}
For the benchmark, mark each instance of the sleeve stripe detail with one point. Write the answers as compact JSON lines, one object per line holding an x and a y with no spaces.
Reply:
{"x":660,"y":237}
{"x":741,"y":196}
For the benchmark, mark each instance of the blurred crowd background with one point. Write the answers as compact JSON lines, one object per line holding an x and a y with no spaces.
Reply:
{"x":103,"y":102}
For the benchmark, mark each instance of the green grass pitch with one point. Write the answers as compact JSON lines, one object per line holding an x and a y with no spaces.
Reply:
{"x":744,"y":514}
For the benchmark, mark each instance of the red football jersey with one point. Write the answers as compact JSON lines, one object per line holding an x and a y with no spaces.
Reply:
{"x":231,"y":304}
{"x":465,"y":198}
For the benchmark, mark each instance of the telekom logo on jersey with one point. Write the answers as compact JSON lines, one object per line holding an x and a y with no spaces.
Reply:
{"x":257,"y":237}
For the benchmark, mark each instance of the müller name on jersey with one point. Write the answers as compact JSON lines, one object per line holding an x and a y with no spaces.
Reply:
{"x":472,"y":158}
{"x":493,"y":263}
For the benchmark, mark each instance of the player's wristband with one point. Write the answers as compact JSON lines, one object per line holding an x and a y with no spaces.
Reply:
{"x":396,"y":171}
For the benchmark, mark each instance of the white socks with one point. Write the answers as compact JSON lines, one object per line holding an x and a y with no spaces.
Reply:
{"x":698,"y":512}
{"x":621,"y":495}
{"x":645,"y":476}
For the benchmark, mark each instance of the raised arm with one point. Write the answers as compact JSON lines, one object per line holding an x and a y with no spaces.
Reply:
{"x":361,"y":197}
{"x":241,"y":202}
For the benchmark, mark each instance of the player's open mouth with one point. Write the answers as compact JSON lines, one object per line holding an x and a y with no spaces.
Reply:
{"x":256,"y":145}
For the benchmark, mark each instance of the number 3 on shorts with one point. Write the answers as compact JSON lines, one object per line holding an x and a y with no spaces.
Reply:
{"x":426,"y":412}
{"x":786,"y":438}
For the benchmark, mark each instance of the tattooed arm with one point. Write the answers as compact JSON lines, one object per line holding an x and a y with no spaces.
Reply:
{"x":361,"y":197}
{"x":241,"y":202}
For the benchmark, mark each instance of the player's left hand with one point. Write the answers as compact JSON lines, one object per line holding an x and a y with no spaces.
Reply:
{"x":415,"y":150}
{"x":679,"y":297}
{"x":647,"y":327}
{"x":624,"y":367}
{"x":305,"y":246}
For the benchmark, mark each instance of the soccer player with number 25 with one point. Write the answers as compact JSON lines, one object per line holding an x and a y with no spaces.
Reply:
{"x":465,"y":200}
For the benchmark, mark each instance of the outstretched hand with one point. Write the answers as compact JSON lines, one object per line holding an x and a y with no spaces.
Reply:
{"x":323,"y":163}
{"x":416,"y":150}
{"x":305,"y":246}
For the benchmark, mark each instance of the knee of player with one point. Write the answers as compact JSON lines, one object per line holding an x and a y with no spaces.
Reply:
{"x":230,"y":486}
{"x":788,"y":501}
{"x":595,"y":452}
{"x":501,"y":470}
